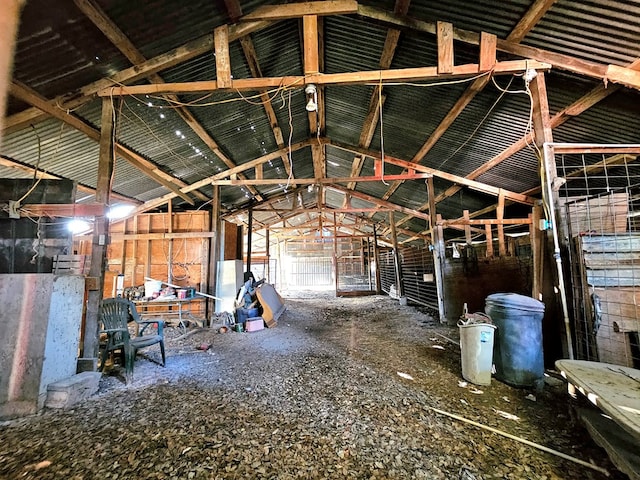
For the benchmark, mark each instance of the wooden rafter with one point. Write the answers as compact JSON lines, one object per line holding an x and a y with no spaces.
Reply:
{"x":529,"y":20}
{"x":176,"y":56}
{"x":145,"y":166}
{"x":297,"y":10}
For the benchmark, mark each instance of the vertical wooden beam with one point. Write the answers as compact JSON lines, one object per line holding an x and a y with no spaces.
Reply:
{"x":502,"y":250}
{"x":100,"y":240}
{"x":214,"y":247}
{"x":487,"y":233}
{"x":437,"y":238}
{"x":311,"y":59}
{"x":335,"y":249}
{"x":488,"y":43}
{"x":396,"y":256}
{"x":537,"y":251}
{"x":467,"y":227}
{"x":249,"y":237}
{"x":223,"y":59}
{"x":259,"y":171}
{"x":170,"y":240}
{"x":444,"y":33}
{"x":267,"y":270}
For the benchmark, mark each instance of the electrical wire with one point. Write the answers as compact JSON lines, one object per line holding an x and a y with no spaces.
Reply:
{"x":478,"y":126}
{"x":381,"y":128}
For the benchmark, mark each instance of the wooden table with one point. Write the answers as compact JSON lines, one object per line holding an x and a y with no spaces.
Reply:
{"x":179,"y":307}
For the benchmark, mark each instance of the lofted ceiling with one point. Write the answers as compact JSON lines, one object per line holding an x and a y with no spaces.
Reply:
{"x":179,"y":130}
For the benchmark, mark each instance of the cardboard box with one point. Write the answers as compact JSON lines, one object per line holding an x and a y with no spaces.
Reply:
{"x":254,"y":324}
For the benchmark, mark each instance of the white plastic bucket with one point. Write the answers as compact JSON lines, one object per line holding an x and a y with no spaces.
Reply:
{"x":151,"y":287}
{"x":476,"y":344}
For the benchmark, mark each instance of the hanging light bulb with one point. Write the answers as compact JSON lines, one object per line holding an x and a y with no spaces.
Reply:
{"x":312,"y":96}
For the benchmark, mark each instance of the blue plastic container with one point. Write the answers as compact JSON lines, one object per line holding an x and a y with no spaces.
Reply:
{"x":517,"y":347}
{"x":242,"y":314}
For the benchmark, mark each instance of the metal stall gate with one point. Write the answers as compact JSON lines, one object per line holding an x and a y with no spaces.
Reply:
{"x":418,"y":275}
{"x":308,"y":264}
{"x":353,"y":265}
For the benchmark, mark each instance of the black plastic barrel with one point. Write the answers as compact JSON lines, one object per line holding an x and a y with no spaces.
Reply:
{"x":517,"y":347}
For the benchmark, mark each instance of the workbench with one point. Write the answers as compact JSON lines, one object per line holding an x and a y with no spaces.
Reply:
{"x":174,"y":307}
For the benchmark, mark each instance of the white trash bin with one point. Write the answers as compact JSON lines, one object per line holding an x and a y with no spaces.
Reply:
{"x":476,"y":345}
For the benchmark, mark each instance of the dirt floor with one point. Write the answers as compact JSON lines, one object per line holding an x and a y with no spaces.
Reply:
{"x":340,"y":388}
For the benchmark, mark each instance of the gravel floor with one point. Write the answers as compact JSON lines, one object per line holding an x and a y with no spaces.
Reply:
{"x":317,"y":397}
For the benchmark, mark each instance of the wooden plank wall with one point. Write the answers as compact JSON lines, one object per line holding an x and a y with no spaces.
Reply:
{"x":149,"y":251}
{"x":611,"y":269}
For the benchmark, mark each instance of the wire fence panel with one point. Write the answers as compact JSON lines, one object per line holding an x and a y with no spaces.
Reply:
{"x":600,"y":204}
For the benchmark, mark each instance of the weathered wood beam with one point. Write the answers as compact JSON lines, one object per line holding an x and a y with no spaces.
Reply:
{"x":529,"y":20}
{"x":310,"y":53}
{"x":346,"y":78}
{"x":65,"y":210}
{"x":482,"y":187}
{"x":444,"y":34}
{"x":320,"y":180}
{"x":376,"y":201}
{"x":557,"y":60}
{"x":223,"y":60}
{"x":484,"y":221}
{"x":297,"y":10}
{"x":137,"y":72}
{"x":145,"y":166}
{"x":156,"y":202}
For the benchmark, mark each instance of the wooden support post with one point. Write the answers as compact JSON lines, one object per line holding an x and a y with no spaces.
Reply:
{"x":437,"y":238}
{"x":134,"y":253}
{"x":544,"y":136}
{"x":214,"y":248}
{"x":396,"y":256}
{"x":223,"y":59}
{"x":487,"y":232}
{"x":502,"y":250}
{"x":311,"y":59}
{"x":488,"y":44}
{"x":267,"y":270}
{"x":537,"y":251}
{"x":335,"y":249}
{"x":249,"y":237}
{"x":170,"y":240}
{"x":100,"y":240}
{"x":259,"y":171}
{"x":444,"y":32}
{"x":376,"y":256}
{"x":467,"y":227}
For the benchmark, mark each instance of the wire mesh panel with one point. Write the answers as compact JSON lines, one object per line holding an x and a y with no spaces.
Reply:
{"x":387,"y":271}
{"x":308,"y":264}
{"x":600,"y":201}
{"x":353,"y":265}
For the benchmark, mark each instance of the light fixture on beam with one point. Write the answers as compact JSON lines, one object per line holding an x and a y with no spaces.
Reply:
{"x":312,"y":98}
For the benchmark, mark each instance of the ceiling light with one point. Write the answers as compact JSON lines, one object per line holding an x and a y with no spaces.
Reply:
{"x":312,"y":97}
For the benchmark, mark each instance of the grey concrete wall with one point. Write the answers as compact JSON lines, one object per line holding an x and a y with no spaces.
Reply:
{"x":40,"y":317}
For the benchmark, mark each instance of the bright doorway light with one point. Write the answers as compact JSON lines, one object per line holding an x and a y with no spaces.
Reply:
{"x":78,"y":227}
{"x":119,"y":211}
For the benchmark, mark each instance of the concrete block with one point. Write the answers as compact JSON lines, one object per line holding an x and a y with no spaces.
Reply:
{"x":66,"y":393}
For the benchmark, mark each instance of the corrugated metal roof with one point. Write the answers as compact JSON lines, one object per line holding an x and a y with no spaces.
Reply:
{"x":56,"y":53}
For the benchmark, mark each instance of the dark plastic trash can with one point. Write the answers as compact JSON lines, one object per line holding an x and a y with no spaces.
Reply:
{"x":517,"y":347}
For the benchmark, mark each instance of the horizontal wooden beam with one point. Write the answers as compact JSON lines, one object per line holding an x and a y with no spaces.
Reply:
{"x":485,"y":221}
{"x":578,"y":148}
{"x":119,"y":237}
{"x":64,"y":209}
{"x":324,"y":181}
{"x":297,"y":10}
{"x":348,"y":78}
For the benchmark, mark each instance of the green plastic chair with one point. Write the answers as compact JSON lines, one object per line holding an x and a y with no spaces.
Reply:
{"x":115,"y":315}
